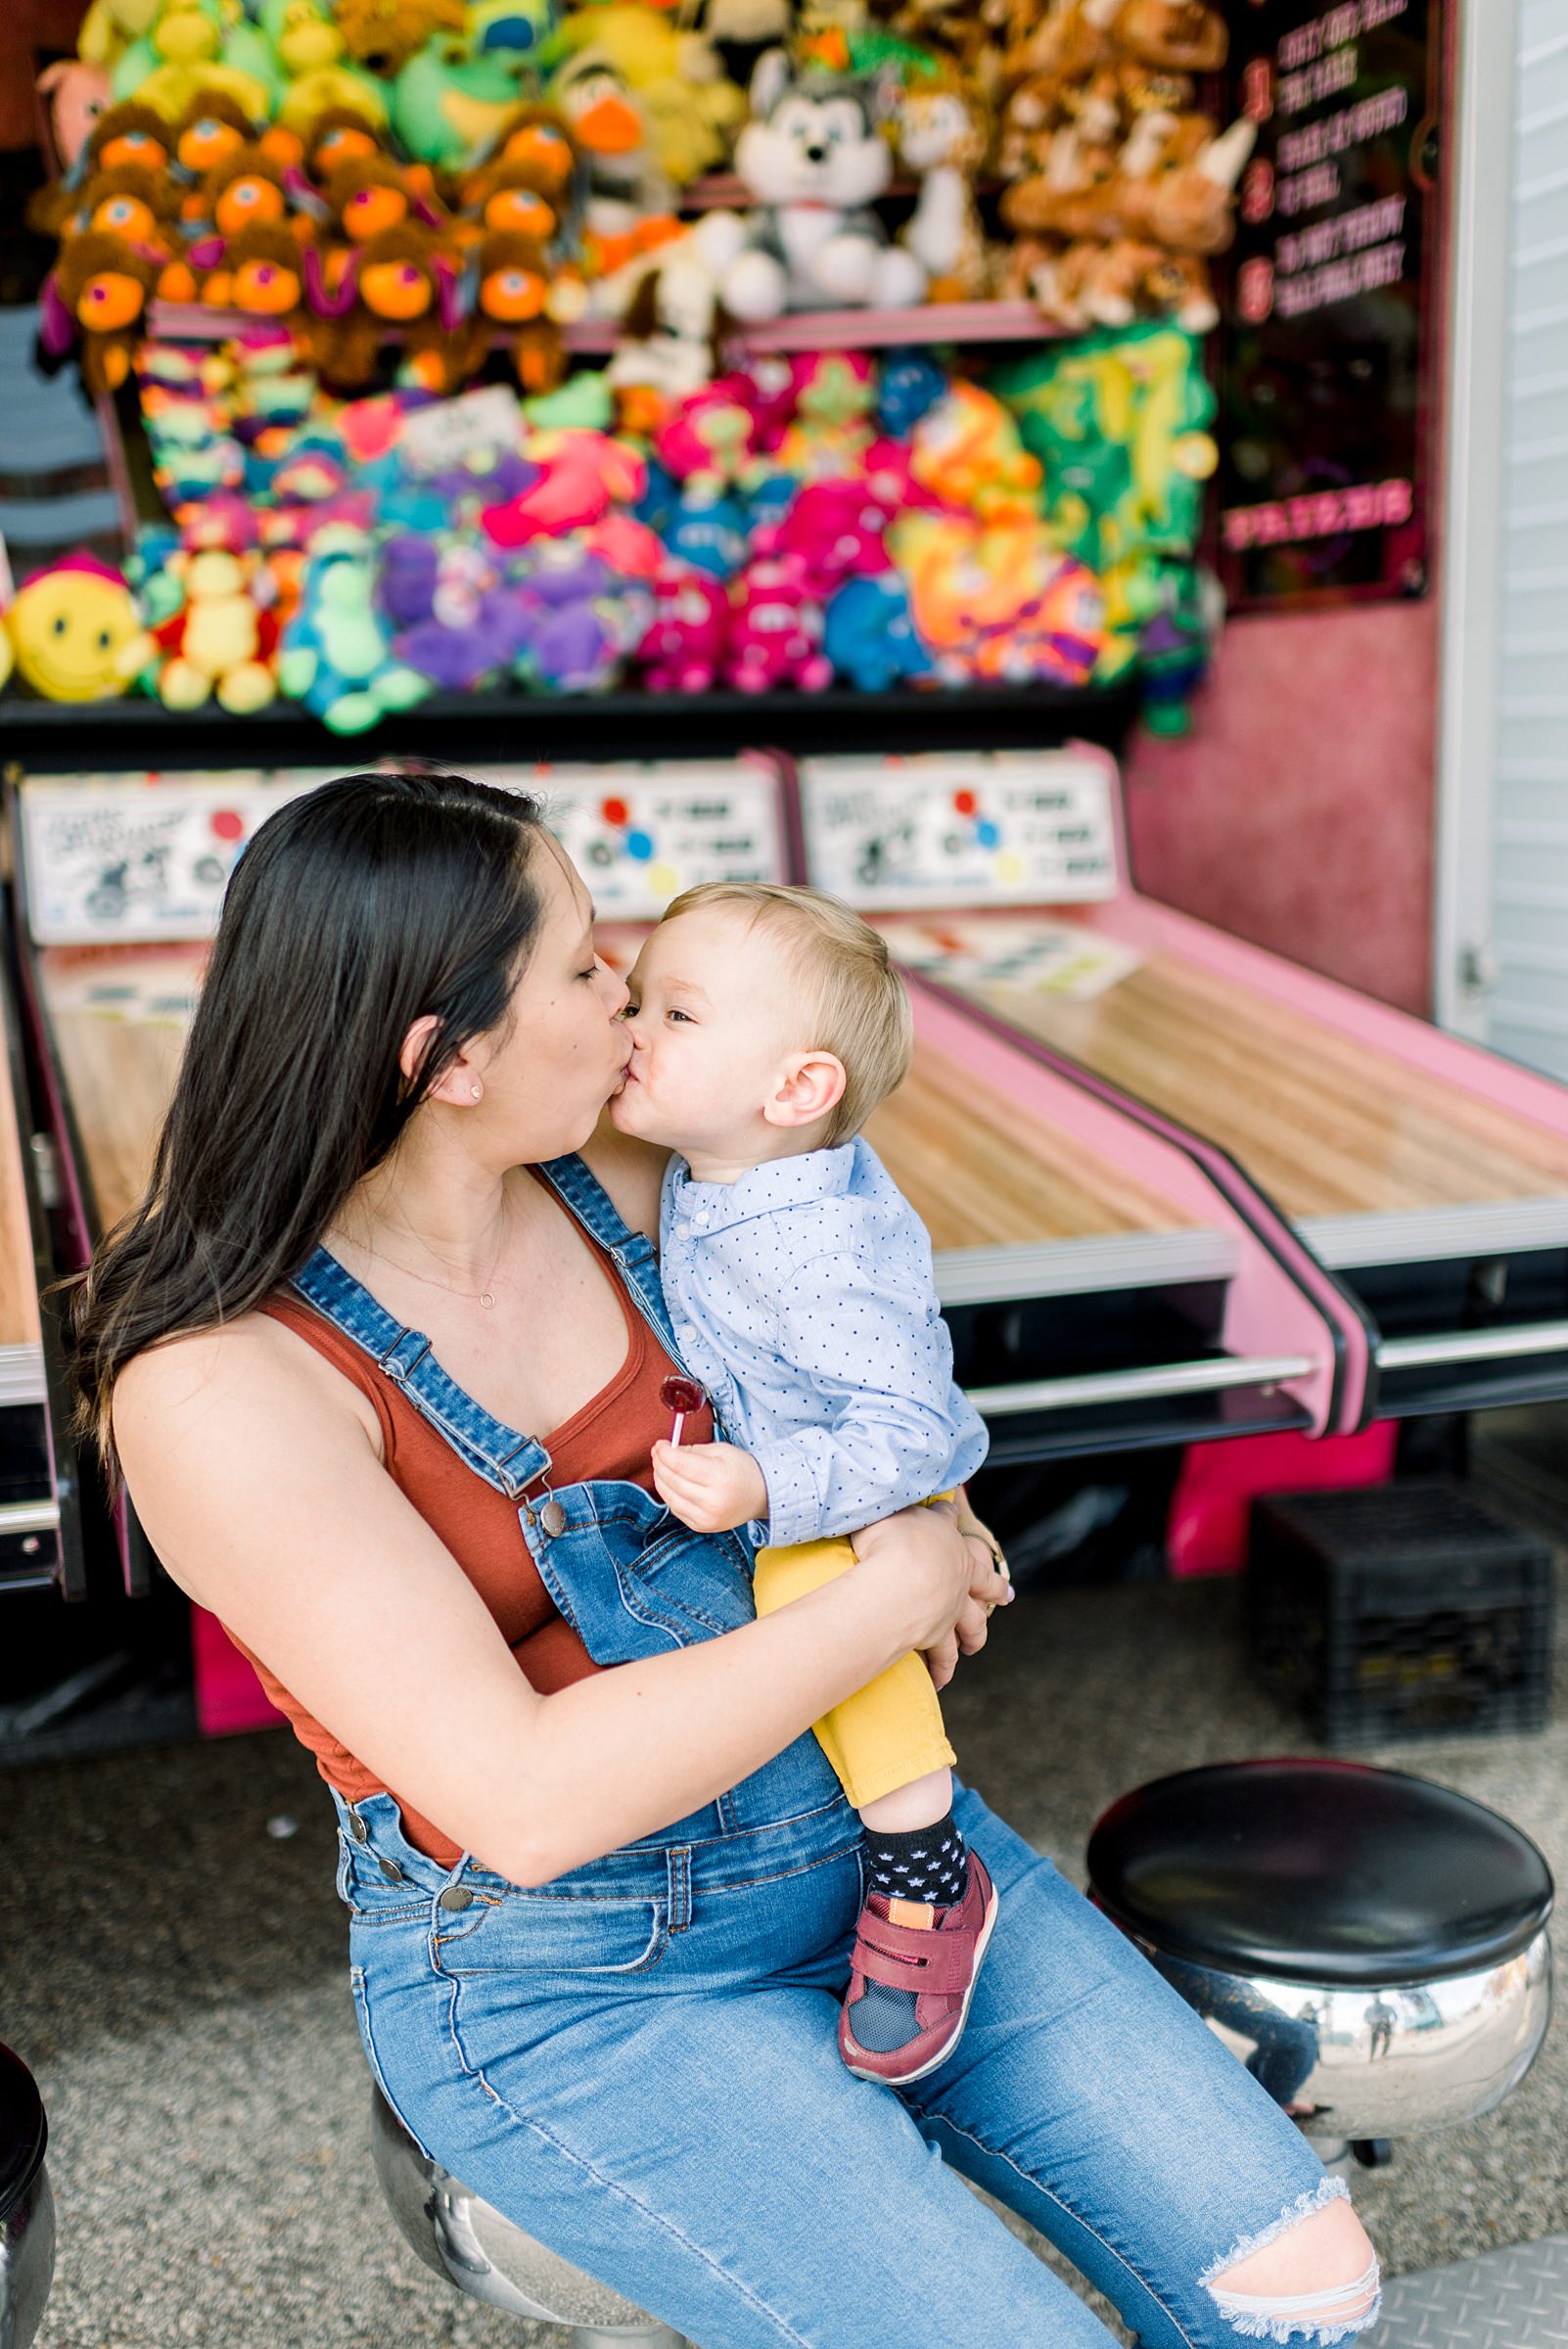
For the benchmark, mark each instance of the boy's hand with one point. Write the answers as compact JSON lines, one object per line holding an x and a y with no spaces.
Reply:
{"x":709,"y":1486}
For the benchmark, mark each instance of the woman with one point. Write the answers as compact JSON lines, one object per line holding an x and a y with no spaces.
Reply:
{"x":390,"y":1301}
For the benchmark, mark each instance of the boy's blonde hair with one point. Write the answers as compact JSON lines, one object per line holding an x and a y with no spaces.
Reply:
{"x":855,"y":1005}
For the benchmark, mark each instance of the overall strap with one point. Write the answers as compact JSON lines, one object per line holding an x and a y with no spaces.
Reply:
{"x":632,"y":1253}
{"x":503,"y":1457}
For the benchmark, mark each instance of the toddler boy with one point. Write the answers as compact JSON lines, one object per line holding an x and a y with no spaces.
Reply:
{"x":766,"y":1024}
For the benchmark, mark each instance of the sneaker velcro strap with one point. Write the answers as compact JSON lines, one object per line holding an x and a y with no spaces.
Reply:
{"x":928,"y":1963}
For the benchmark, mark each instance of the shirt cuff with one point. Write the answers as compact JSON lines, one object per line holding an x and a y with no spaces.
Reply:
{"x":794,"y":1504}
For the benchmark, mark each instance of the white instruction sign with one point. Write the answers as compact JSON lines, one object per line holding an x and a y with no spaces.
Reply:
{"x":640,"y":833}
{"x":130,"y":858}
{"x":956,"y":829}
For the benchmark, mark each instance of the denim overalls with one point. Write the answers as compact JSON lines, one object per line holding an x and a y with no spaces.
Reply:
{"x":636,"y":2062}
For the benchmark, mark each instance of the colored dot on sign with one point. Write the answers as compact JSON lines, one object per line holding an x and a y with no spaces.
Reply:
{"x":227,"y":825}
{"x":639,"y":845}
{"x":614,"y":811}
{"x":987,"y":834}
{"x":664,"y":880}
{"x":965,"y":801}
{"x":1009,"y":866}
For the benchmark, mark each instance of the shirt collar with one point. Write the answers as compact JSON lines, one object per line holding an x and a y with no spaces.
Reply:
{"x":712,"y":1207}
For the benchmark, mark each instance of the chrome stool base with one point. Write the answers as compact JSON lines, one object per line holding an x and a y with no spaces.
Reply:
{"x":484,"y":2254}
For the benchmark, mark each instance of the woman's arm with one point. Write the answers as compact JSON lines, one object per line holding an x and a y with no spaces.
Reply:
{"x":258,"y":1487}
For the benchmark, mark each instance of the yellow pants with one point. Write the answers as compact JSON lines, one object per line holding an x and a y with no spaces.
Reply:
{"x":889,"y":1732}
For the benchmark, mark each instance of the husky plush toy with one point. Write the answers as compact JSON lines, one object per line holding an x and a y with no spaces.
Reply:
{"x":814,"y":157}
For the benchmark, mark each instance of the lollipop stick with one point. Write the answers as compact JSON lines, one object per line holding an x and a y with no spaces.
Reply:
{"x":681,"y":1421}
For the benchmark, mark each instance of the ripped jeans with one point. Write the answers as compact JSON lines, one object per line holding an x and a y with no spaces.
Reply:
{"x":636,"y":2062}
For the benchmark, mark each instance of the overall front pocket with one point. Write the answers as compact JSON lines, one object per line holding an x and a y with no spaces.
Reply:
{"x":532,"y":1934}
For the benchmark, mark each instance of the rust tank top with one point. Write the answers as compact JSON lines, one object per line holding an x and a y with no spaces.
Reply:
{"x":609,"y":1437}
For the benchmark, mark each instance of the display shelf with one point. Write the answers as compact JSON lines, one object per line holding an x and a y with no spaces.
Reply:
{"x":801,"y":330}
{"x":64,"y":737}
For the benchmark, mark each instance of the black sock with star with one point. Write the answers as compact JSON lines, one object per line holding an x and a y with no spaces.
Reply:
{"x":919,"y":1863}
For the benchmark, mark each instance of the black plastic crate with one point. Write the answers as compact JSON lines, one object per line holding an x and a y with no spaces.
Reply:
{"x":1399,"y":1610}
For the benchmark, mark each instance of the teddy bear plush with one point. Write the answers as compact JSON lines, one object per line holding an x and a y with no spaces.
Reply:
{"x":221,"y":641}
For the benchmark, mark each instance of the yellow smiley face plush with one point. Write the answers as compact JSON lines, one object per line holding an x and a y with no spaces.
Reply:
{"x":72,"y":628}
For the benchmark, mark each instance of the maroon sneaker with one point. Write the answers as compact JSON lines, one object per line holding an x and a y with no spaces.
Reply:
{"x":931,"y":1970}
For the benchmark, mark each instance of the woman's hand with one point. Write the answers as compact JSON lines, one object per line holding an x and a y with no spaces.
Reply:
{"x":953,"y":1576}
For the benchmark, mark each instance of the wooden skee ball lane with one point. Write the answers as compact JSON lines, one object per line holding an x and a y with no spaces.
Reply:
{"x":39,"y":1542}
{"x":1427,"y":1176}
{"x":1103,"y":1290}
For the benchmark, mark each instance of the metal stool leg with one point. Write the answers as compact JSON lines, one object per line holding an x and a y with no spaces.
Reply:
{"x":484,"y":2254}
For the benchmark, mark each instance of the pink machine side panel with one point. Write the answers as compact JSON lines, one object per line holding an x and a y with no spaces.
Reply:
{"x":1267,"y":1312}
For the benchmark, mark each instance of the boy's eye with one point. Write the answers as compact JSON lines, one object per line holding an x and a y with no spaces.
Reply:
{"x":681,"y":1015}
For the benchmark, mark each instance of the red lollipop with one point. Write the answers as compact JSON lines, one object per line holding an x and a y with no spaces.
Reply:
{"x":681,"y":1396}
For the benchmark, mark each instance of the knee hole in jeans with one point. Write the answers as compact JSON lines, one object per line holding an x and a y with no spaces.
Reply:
{"x":1324,"y":2289}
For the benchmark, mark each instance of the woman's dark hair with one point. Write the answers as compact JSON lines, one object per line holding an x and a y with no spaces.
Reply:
{"x":355,"y":910}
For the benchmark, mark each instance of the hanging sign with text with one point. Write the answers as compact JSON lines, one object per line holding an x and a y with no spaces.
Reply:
{"x":1329,"y":342}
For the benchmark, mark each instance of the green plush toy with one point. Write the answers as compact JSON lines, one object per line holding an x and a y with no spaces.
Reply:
{"x":449,"y":106}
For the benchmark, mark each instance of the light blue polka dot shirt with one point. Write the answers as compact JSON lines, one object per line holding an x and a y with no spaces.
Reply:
{"x":803,"y":1298}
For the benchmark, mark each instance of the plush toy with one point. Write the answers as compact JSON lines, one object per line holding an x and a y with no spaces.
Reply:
{"x":77,"y":96}
{"x":944,"y":135}
{"x":110,"y":27}
{"x":775,"y":633}
{"x":707,"y":442}
{"x":814,"y":157}
{"x":869,"y":634}
{"x":401,"y":280}
{"x":967,"y":451}
{"x":448,"y":105}
{"x":510,"y":275}
{"x":211,"y":128}
{"x":831,"y":531}
{"x":1179,"y":34}
{"x":692,"y":110}
{"x":99,"y":291}
{"x":682,"y":649}
{"x":585,"y":473}
{"x":381,"y":36}
{"x":334,"y":657}
{"x":707,"y":533}
{"x":910,"y":383}
{"x":457,"y":624}
{"x":629,"y":207}
{"x":244,"y":189}
{"x":126,"y":133}
{"x":581,"y":619}
{"x":262,"y":273}
{"x":671,"y":344}
{"x":997,"y":603}
{"x":73,"y":630}
{"x":514,"y":195}
{"x":220,"y":642}
{"x":195,"y":45}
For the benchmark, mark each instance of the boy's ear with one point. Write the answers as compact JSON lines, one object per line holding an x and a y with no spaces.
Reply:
{"x":812,"y":1083}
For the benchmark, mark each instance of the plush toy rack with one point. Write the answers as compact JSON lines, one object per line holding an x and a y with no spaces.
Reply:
{"x":928,"y":323}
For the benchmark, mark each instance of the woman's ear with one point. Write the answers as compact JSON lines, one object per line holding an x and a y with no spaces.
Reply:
{"x":459,"y":1082}
{"x":814,"y":1084}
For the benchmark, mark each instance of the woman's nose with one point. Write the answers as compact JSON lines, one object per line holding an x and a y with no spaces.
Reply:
{"x":618,"y":995}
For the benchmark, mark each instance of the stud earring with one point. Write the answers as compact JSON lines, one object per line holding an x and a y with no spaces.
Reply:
{"x":476,"y":1090}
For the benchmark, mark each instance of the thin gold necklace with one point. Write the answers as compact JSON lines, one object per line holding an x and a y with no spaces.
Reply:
{"x":484,"y":1297}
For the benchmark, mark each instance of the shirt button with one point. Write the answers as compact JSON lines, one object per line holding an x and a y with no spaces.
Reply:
{"x":701,"y":1216}
{"x":684,"y":1231}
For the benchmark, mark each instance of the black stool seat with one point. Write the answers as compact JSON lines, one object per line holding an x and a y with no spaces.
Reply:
{"x":23,"y":2131}
{"x":1318,"y":1871}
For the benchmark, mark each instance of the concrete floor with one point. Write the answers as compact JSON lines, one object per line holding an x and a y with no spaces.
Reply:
{"x":175,"y":1975}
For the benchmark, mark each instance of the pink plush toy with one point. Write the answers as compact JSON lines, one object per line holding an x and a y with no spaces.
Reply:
{"x":832,"y":532}
{"x":629,"y":547}
{"x":709,"y":441}
{"x":78,"y":94}
{"x":683,"y":648}
{"x":775,"y":636}
{"x":584,"y":474}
